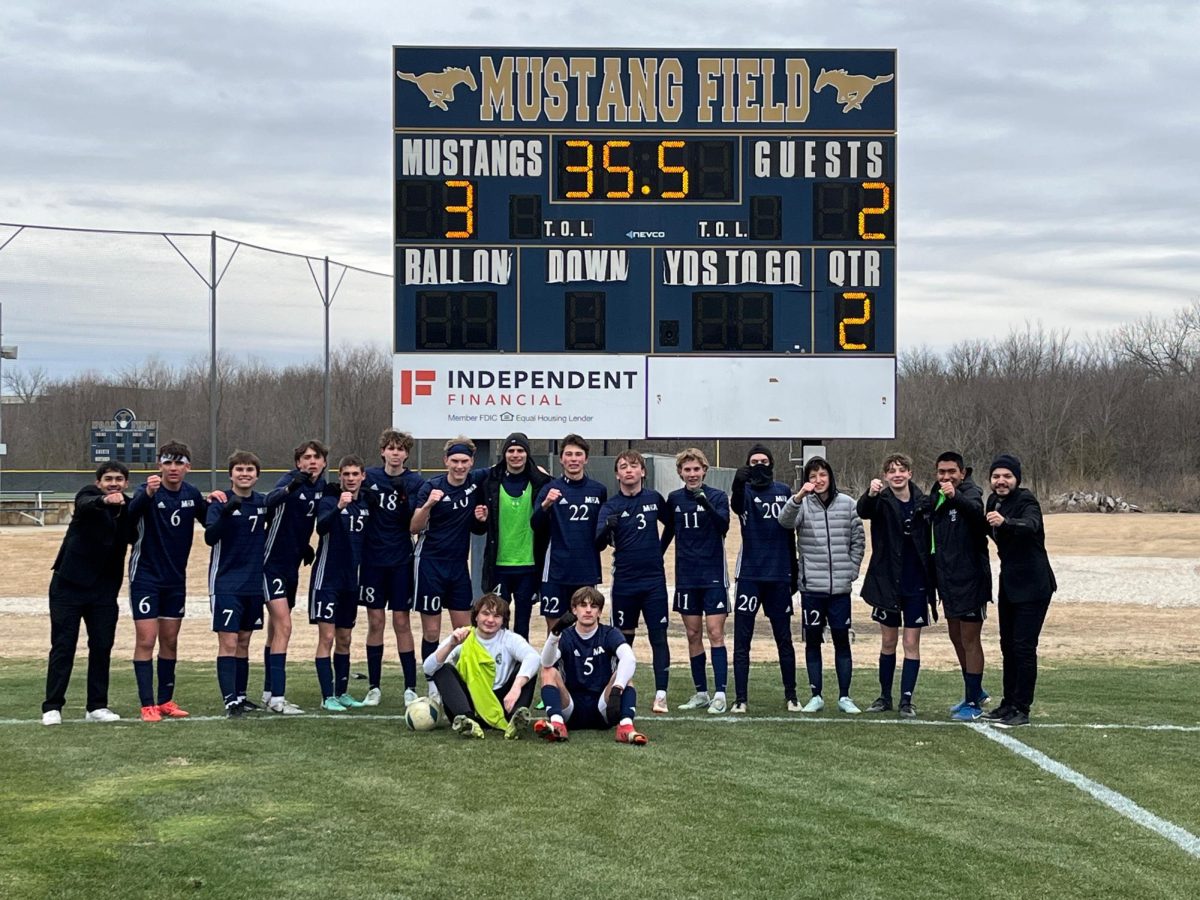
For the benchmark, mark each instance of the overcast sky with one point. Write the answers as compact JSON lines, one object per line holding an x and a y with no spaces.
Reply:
{"x":1047,"y":157}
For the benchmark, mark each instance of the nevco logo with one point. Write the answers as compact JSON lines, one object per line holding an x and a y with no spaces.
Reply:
{"x":416,"y":383}
{"x":633,"y":235}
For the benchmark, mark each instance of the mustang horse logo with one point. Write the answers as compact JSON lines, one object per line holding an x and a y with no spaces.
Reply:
{"x":852,"y":90}
{"x":438,"y":87}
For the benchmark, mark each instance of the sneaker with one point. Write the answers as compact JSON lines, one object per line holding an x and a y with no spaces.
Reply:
{"x":1014,"y":719}
{"x":660,"y":705}
{"x":998,"y":714}
{"x":907,"y":711}
{"x":699,"y":699}
{"x":626,"y":734}
{"x":848,"y":706}
{"x":409,"y":696}
{"x":739,"y":707}
{"x":234,"y":711}
{"x":518,"y":724}
{"x":550,"y":730}
{"x":881,"y":704}
{"x":283,"y":707}
{"x":815,"y":705}
{"x":172,"y":710}
{"x":151,"y":714}
{"x":349,"y":702}
{"x":248,"y":705}
{"x":374,"y":695}
{"x":717,"y":707}
{"x":967,"y":713}
{"x":52,"y":717}
{"x":465,"y":726}
{"x":330,"y":704}
{"x":103,"y":714}
{"x":794,"y":705}
{"x":540,"y":705}
{"x":266,"y":698}
{"x":983,"y":698}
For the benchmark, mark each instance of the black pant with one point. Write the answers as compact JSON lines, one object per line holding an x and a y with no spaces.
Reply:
{"x":456,"y":699}
{"x":1020,"y":628}
{"x":96,"y":608}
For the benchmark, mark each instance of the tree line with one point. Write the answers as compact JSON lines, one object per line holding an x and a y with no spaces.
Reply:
{"x":1119,"y":412}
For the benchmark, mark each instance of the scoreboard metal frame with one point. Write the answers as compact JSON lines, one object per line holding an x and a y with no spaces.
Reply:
{"x":727,"y":217}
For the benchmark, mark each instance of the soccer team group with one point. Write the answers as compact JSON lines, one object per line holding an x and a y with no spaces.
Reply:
{"x":392,"y":543}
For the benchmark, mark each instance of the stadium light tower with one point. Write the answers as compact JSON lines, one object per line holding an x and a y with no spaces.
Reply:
{"x":6,"y":352}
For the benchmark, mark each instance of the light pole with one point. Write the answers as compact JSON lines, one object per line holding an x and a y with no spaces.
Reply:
{"x":6,"y":352}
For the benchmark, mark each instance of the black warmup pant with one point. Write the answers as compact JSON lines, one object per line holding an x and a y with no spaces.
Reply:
{"x":1020,"y":628}
{"x":456,"y":699}
{"x":97,"y":609}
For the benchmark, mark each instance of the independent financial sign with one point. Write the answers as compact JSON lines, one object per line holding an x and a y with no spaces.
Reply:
{"x":637,"y":243}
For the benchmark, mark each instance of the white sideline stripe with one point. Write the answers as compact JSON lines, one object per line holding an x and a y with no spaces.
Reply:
{"x":1180,"y":837}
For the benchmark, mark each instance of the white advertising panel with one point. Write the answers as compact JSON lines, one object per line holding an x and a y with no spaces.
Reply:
{"x":490,"y":395}
{"x":792,"y":397}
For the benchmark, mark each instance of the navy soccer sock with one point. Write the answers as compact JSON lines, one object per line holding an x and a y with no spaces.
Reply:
{"x":843,"y":662}
{"x":408,"y":664}
{"x":887,"y":674}
{"x":908,"y":679}
{"x":268,"y":672}
{"x":374,"y":664}
{"x":143,"y":672}
{"x":428,"y":648}
{"x":814,"y":666}
{"x":974,"y":683}
{"x":781,"y":628}
{"x":166,"y":679}
{"x":227,"y":678}
{"x":552,"y":697}
{"x":629,"y":702}
{"x":341,"y":671}
{"x":699,"y":664}
{"x":278,"y":674}
{"x":720,"y":663}
{"x":743,"y":635}
{"x":325,"y":676}
{"x":243,"y":675}
{"x":660,"y":659}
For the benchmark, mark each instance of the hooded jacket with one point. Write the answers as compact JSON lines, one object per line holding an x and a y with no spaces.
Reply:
{"x":1025,"y":573}
{"x":492,"y":487}
{"x":881,"y":586}
{"x":959,"y":546}
{"x":830,"y":540}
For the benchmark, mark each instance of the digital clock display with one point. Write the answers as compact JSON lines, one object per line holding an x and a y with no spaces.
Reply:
{"x":622,"y":168}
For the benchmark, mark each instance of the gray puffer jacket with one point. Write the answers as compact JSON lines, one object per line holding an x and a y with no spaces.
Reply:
{"x":830,"y":541}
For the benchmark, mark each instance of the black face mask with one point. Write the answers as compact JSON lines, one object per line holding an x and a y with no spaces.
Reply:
{"x":761,"y":476}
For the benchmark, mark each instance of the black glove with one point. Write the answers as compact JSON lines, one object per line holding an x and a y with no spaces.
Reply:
{"x":565,"y":621}
{"x":613,"y":713}
{"x":232,"y":503}
{"x":307,"y":554}
{"x":398,"y":482}
{"x":299,"y":479}
{"x":701,"y":499}
{"x":742,"y":474}
{"x":611,"y":523}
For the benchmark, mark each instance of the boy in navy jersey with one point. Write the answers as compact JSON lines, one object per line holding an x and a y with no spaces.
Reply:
{"x":766,"y":572}
{"x":566,"y":512}
{"x":236,"y":529}
{"x":293,"y":505}
{"x":445,"y":518}
{"x":387,"y":565}
{"x":165,"y":511}
{"x":586,"y":670}
{"x":629,"y":521}
{"x":899,"y":580}
{"x":342,"y":518}
{"x":701,"y":518}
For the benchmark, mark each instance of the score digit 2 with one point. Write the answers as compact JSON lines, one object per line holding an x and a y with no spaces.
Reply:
{"x":853,"y":321}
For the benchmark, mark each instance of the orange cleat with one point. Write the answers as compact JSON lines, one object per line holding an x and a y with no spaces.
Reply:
{"x":627,"y":735}
{"x":550,"y":730}
{"x":172,"y":710}
{"x":151,"y":714}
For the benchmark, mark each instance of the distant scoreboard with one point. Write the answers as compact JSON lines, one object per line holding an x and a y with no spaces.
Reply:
{"x":718,"y":225}
{"x":124,"y":439}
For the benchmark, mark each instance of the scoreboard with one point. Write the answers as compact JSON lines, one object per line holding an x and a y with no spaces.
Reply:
{"x":645,"y":243}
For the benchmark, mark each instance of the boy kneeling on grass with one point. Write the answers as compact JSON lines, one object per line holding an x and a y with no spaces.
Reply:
{"x":586,"y":670}
{"x":485,"y":673}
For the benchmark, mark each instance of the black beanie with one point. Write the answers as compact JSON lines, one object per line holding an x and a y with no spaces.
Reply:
{"x":759,"y":448}
{"x":1006,"y":461}
{"x":516,"y":439}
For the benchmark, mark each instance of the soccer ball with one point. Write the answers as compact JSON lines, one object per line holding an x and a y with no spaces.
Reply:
{"x":421,"y":715}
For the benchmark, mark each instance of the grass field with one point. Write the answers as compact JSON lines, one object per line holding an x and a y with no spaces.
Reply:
{"x":773,"y":805}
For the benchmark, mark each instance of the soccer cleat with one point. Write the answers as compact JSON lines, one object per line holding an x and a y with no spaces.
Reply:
{"x":540,"y":705}
{"x":172,"y":710}
{"x":52,"y":717}
{"x":815,"y":705}
{"x":103,"y":714}
{"x":1014,"y":719}
{"x":717,"y":707}
{"x":699,"y":699}
{"x":465,"y":726}
{"x":151,"y":714}
{"x":330,"y":704}
{"x":660,"y":705}
{"x":967,"y":713}
{"x":283,"y":707}
{"x":248,"y":705}
{"x":626,"y":734}
{"x":518,"y":725}
{"x":550,"y":730}
{"x":794,"y":705}
{"x":739,"y":707}
{"x":848,"y":706}
{"x":998,"y":714}
{"x":374,"y":695}
{"x":234,"y":710}
{"x":266,"y":698}
{"x":907,"y":711}
{"x":409,"y":696}
{"x":881,"y":704}
{"x":983,"y":698}
{"x":349,"y":702}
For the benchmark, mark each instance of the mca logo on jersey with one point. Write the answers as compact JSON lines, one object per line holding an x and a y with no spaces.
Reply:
{"x":596,"y":651}
{"x":650,"y":507}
